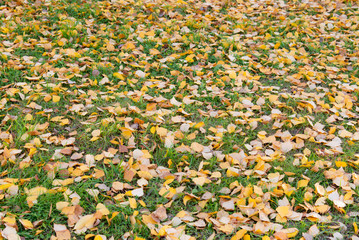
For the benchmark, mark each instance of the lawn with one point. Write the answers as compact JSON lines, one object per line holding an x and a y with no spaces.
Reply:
{"x":179,"y":119}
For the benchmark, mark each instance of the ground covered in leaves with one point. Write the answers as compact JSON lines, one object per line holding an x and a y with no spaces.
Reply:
{"x":173,"y":119}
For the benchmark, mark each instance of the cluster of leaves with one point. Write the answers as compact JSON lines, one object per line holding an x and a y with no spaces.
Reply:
{"x":174,"y":119}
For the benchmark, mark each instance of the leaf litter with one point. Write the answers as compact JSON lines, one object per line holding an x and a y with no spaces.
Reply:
{"x":179,"y":119}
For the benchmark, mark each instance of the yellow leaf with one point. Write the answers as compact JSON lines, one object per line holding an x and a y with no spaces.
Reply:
{"x":182,"y":84}
{"x":28,"y":117}
{"x":186,"y":199}
{"x":148,"y":219}
{"x":154,"y":51}
{"x":197,"y":147}
{"x":153,"y":130}
{"x":231,"y":173}
{"x":200,"y":181}
{"x":139,"y":238}
{"x":348,"y":103}
{"x":232,"y":74}
{"x":55,"y":98}
{"x":36,"y":233}
{"x":162,"y":132}
{"x":4,"y":30}
{"x":284,"y":211}
{"x":292,"y":232}
{"x":355,"y":227}
{"x":61,"y":42}
{"x":190,"y":57}
{"x":162,"y":232}
{"x":36,"y":191}
{"x":96,"y":133}
{"x":61,"y":205}
{"x":273,"y":98}
{"x":94,"y":139}
{"x":320,"y":189}
{"x":103,"y":209}
{"x":110,"y":47}
{"x":26,"y":223}
{"x":231,"y":128}
{"x":227,"y":228}
{"x":129,"y":45}
{"x":118,"y":75}
{"x":322,"y":208}
{"x":47,"y":98}
{"x":72,"y":53}
{"x":199,"y":125}
{"x":114,"y":214}
{"x":340,"y":164}
{"x":133,"y":203}
{"x":86,"y":221}
{"x":98,"y":174}
{"x":5,"y":186}
{"x":126,"y":134}
{"x":332,"y":130}
{"x":199,"y":73}
{"x":168,"y":181}
{"x":9,"y":220}
{"x":247,"y":237}
{"x":239,"y":235}
{"x":145,"y":174}
{"x":32,"y":151}
{"x":302,"y":183}
{"x":191,"y":136}
{"x":88,"y":236}
{"x":264,"y":47}
{"x":64,"y":121}
{"x":143,"y":204}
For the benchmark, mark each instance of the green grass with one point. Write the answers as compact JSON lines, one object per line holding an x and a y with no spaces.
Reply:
{"x":219,"y":35}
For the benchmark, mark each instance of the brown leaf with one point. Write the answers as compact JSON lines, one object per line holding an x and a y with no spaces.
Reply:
{"x":62,"y":233}
{"x":160,"y":213}
{"x":128,"y":175}
{"x":122,"y":149}
{"x":76,"y":156}
{"x":66,"y":151}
